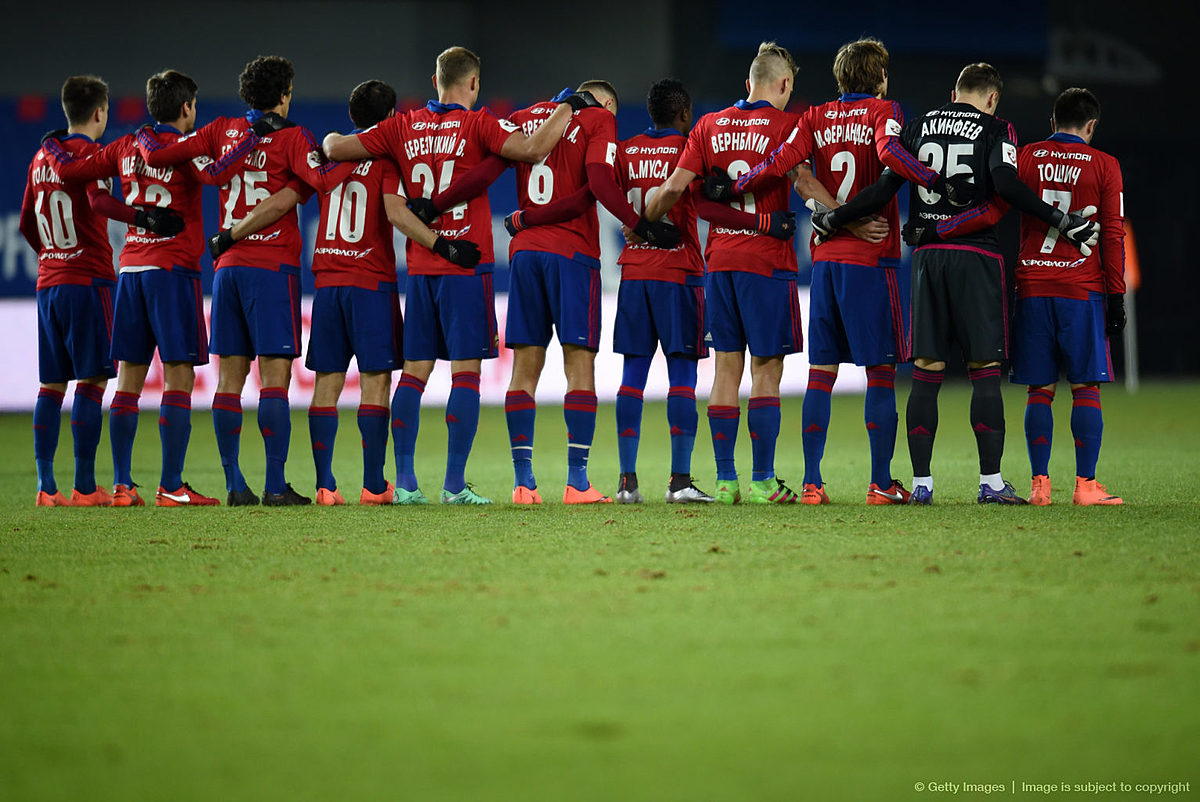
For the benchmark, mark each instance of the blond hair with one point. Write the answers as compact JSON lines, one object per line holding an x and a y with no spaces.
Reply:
{"x":772,"y":63}
{"x":455,"y":65}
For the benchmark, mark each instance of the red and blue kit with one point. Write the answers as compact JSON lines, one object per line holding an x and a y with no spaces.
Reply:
{"x":1060,"y":314}
{"x":747,"y":306}
{"x":356,"y":308}
{"x":855,"y":315}
{"x":159,"y":302}
{"x":433,"y":146}
{"x":661,"y":298}
{"x":555,"y":281}
{"x":75,"y":268}
{"x":256,"y":291}
{"x":449,"y":311}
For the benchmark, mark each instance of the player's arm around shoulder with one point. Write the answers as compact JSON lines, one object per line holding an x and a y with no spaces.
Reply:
{"x":536,"y":147}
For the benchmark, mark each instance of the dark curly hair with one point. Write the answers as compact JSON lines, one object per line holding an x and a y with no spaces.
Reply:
{"x":666,"y":101}
{"x":265,"y":81}
{"x":370,"y":103}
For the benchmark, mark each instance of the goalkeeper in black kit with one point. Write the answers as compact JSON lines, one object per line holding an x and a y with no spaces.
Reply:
{"x":958,"y":293}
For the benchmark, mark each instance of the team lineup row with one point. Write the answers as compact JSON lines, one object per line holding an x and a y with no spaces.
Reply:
{"x":425,"y":172}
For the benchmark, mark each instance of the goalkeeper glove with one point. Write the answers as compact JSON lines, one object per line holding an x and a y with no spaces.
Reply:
{"x":1080,"y":231}
{"x":822,"y":219}
{"x":1114,"y":316}
{"x":461,"y":252}
{"x":162,"y":221}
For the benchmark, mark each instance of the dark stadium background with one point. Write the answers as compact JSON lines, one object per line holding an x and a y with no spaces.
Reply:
{"x":531,"y":50}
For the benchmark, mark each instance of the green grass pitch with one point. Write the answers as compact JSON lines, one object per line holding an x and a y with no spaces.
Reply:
{"x":609,"y":653}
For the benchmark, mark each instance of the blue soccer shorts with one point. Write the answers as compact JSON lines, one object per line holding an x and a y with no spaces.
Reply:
{"x":256,"y":311}
{"x":450,"y":317}
{"x":653,"y":313}
{"x":547,"y":293}
{"x":75,"y":332}
{"x":161,"y":309}
{"x":749,"y":310}
{"x":1060,"y":335}
{"x":856,"y":314}
{"x":355,"y":322}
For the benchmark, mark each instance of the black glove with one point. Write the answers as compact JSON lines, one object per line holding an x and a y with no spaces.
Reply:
{"x":162,"y":221}
{"x":719,"y":186}
{"x":822,"y":221}
{"x":513,"y":224}
{"x":780,"y":225}
{"x":424,"y":209}
{"x":659,"y":234}
{"x":220,"y":242}
{"x":461,"y":252}
{"x":1078,"y":229}
{"x":1114,"y":317}
{"x":269,"y":123}
{"x":957,"y":191}
{"x":581,"y":100}
{"x":920,"y":233}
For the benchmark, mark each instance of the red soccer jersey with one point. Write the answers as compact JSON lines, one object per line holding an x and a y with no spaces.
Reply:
{"x":1069,"y":174}
{"x":431,"y":146}
{"x":177,"y":187}
{"x":354,"y":237}
{"x":848,"y":142}
{"x":590,"y":138}
{"x":74,"y":239}
{"x":285,"y":158}
{"x":734,"y":139}
{"x":643,"y":163}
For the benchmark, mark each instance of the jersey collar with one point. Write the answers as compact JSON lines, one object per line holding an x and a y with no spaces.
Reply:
{"x":442,"y":108}
{"x":166,"y":128}
{"x":1057,"y":137}
{"x":253,"y":115}
{"x":850,"y":97}
{"x":660,"y":133}
{"x":746,"y":105}
{"x":69,"y":137}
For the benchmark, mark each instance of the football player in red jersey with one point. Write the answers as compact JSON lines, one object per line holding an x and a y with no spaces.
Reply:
{"x":356,"y":309}
{"x":62,"y":222}
{"x":1068,"y":306}
{"x":751,"y":293}
{"x":256,"y":291}
{"x":661,"y":297}
{"x":856,"y":310}
{"x":159,"y":302}
{"x":958,"y":284}
{"x":449,"y":298}
{"x":555,"y":280}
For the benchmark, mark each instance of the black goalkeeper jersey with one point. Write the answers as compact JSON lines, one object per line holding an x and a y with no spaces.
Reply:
{"x":959,"y":141}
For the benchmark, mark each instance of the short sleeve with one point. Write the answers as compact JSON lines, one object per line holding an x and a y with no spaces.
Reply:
{"x":492,"y":131}
{"x":385,"y":138}
{"x":692,"y":157}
